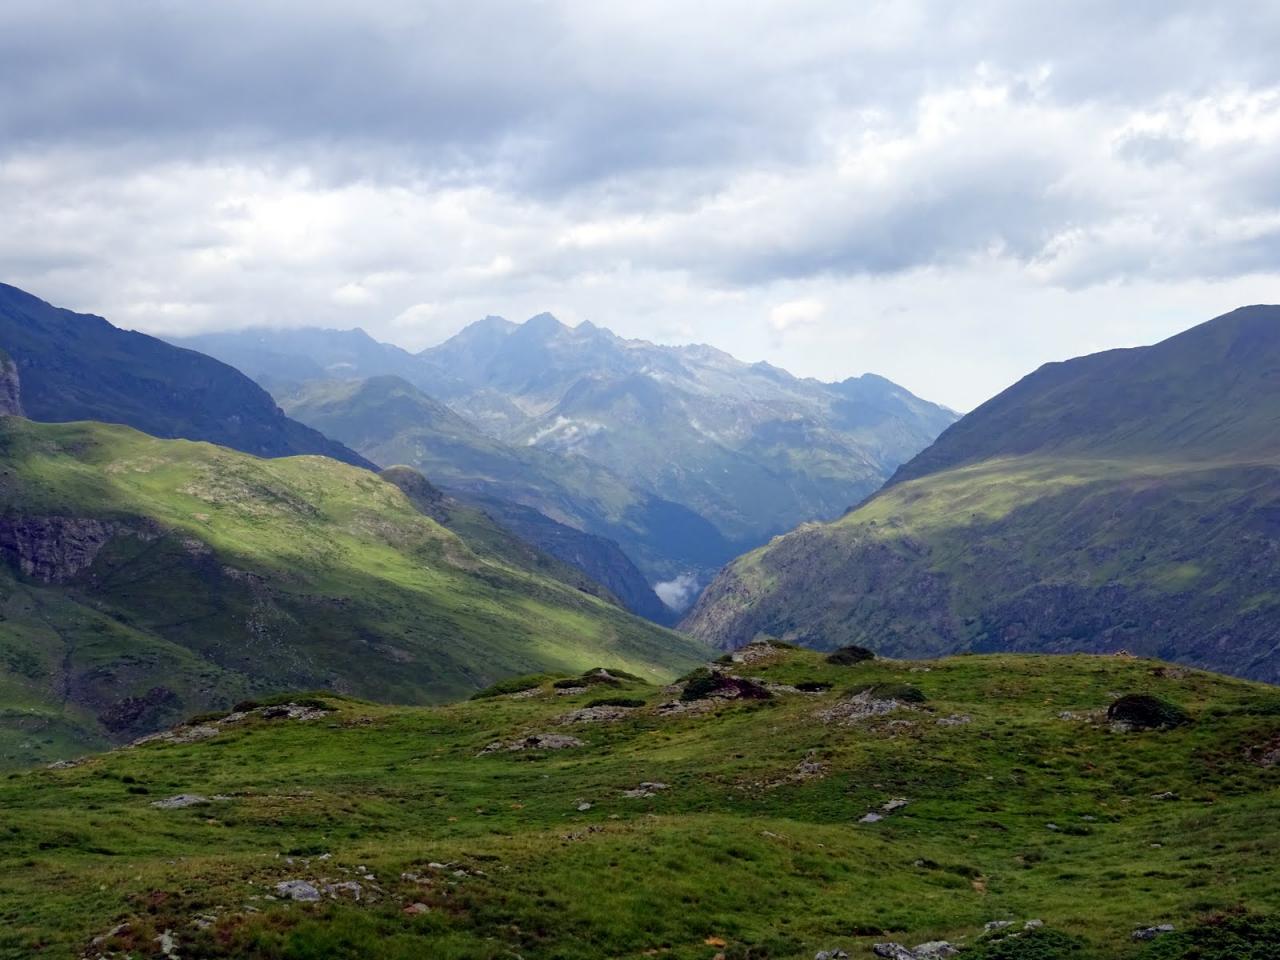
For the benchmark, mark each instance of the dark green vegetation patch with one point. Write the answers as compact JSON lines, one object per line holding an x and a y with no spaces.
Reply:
{"x":850,"y":655}
{"x":1145,"y":712}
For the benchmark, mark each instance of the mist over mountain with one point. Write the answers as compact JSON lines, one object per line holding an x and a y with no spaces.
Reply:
{"x":1124,"y":500}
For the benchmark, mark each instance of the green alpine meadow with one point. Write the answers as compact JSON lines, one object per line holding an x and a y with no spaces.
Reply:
{"x":150,"y":579}
{"x":639,"y":480}
{"x":990,"y":802}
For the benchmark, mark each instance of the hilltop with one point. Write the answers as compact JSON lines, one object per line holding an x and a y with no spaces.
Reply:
{"x":1125,"y":500}
{"x":985,"y":801}
{"x":73,"y":366}
{"x":145,"y":579}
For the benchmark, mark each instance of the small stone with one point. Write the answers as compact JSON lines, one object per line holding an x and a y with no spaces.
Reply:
{"x":1166,"y":795}
{"x":892,"y":951}
{"x":180,"y":801}
{"x":416,"y":909}
{"x":993,"y":925}
{"x":1052,"y":826}
{"x":935,"y":948}
{"x":1033,"y":925}
{"x":872,"y":818}
{"x":830,"y":955}
{"x":895,"y":804}
{"x":299,"y":890}
{"x":348,"y":888}
{"x":1150,"y":933}
{"x":583,"y":807}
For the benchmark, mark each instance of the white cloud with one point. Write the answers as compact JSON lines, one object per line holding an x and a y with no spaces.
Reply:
{"x":796,"y":313}
{"x":947,"y":195}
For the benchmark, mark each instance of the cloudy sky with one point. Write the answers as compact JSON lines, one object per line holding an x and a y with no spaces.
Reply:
{"x":945,"y":193}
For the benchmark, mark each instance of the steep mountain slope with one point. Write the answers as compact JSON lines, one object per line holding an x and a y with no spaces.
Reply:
{"x":749,"y":448}
{"x":487,"y":538}
{"x":391,"y":422}
{"x":144,"y":579}
{"x":948,"y":798}
{"x":79,"y":367}
{"x":1129,"y":499}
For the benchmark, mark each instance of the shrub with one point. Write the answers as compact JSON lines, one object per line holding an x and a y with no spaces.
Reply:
{"x":703,"y":683}
{"x":511,"y":685}
{"x":848,"y":656}
{"x":813,"y":686}
{"x":1040,"y":944}
{"x":616,"y":702}
{"x":1144,"y":712}
{"x":1230,"y":936}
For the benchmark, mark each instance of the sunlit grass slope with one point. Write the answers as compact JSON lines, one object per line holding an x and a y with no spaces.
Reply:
{"x":223,"y":574}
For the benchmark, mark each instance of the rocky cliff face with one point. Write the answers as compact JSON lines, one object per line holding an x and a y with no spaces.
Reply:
{"x":10,"y":388}
{"x":54,"y":549}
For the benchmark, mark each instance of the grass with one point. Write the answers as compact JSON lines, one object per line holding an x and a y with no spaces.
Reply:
{"x":236,"y":577}
{"x":738,"y":848}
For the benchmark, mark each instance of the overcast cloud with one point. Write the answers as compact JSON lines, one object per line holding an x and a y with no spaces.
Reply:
{"x":946,"y":194}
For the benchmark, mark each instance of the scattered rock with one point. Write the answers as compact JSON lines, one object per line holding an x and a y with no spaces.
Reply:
{"x":584,"y":806}
{"x":935,"y":948}
{"x":348,"y":888}
{"x":601,"y":714}
{"x":535,"y":741}
{"x":1052,"y":826}
{"x":991,"y":926}
{"x":299,"y":890}
{"x":680,"y":707}
{"x":1033,"y":925}
{"x":830,"y":955}
{"x":860,"y":707}
{"x":871,"y":818}
{"x":1167,"y":795}
{"x":416,"y":909}
{"x":892,"y":951}
{"x":180,"y":801}
{"x":646,"y":789}
{"x":897,"y":803}
{"x":569,"y":691}
{"x":955,"y":720}
{"x":757,"y":651}
{"x":1150,"y":933}
{"x":168,"y":943}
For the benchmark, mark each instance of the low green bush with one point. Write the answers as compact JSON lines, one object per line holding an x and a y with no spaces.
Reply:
{"x":1226,"y":936}
{"x":511,"y":685}
{"x":616,"y":702}
{"x":1145,"y":712}
{"x":850,"y":655}
{"x":1040,"y":944}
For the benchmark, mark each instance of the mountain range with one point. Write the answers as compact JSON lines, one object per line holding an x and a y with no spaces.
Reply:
{"x":683,"y":455}
{"x":1128,"y":500}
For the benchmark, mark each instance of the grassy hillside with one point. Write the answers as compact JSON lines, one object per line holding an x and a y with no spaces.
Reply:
{"x":736,"y":828}
{"x":76,"y":366}
{"x":145,"y":579}
{"x":392,"y":422}
{"x":1129,"y":500}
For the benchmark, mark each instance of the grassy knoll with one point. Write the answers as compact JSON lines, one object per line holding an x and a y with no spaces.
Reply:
{"x":1023,"y":803}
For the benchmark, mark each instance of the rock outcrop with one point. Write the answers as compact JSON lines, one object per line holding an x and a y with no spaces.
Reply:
{"x":53,"y":549}
{"x":10,"y":388}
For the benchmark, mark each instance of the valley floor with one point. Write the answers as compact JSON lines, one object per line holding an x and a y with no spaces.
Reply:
{"x":717,"y":827}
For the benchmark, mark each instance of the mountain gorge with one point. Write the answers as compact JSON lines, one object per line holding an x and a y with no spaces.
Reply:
{"x":683,"y":455}
{"x":1124,"y":500}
